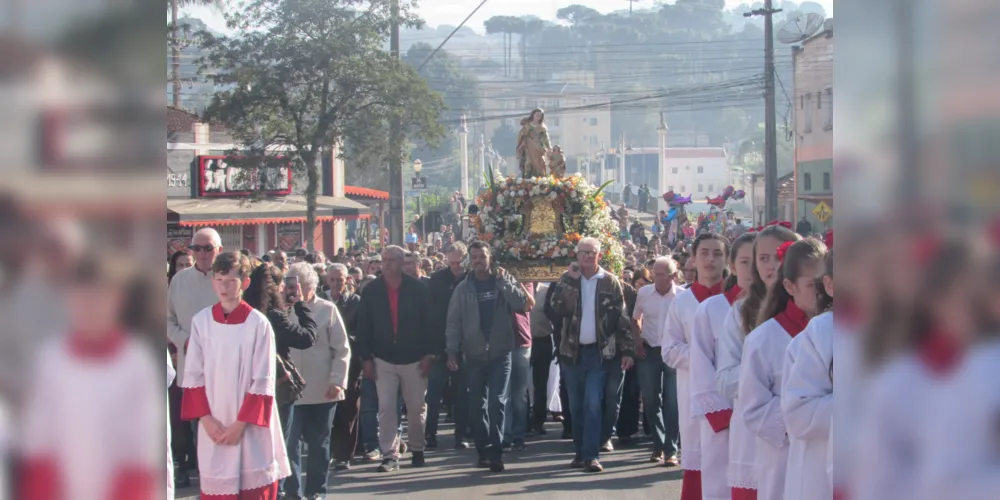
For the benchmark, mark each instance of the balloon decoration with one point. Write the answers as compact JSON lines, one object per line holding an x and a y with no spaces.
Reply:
{"x":674,"y":200}
{"x":729,"y":193}
{"x":671,"y":215}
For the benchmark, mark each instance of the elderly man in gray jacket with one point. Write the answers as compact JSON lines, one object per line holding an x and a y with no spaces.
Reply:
{"x":481,"y":327}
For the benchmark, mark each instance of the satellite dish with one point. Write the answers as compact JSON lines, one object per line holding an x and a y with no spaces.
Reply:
{"x":800,"y":28}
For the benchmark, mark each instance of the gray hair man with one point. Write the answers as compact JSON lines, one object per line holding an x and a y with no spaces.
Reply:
{"x":344,"y":436}
{"x":397,"y":347}
{"x":441,"y":285}
{"x":595,"y":332}
{"x":657,"y":380}
{"x":191,"y":291}
{"x":324,"y":366}
{"x":481,"y":327}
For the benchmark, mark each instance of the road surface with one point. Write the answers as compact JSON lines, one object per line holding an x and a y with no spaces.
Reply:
{"x":541,"y":472}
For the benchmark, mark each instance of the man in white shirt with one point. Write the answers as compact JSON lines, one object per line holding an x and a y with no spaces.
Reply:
{"x":657,"y":381}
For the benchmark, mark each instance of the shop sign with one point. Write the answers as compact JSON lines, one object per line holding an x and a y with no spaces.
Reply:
{"x":225,"y":176}
{"x":289,"y":236}
{"x":178,"y":239}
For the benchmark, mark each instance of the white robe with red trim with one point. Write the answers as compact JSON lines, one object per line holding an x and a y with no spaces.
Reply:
{"x":706,"y":402}
{"x":764,"y":352}
{"x":807,"y":406}
{"x":676,"y":342}
{"x":742,"y":442}
{"x":229,"y":375}
{"x":93,"y":425}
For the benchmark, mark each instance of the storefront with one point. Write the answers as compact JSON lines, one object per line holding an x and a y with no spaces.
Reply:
{"x":255,"y":208}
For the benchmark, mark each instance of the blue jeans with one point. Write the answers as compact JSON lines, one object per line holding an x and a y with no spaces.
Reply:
{"x":369,"y":415}
{"x":311,"y":424}
{"x":612,"y":397}
{"x":658,"y":383}
{"x":488,"y":381}
{"x":516,"y":410}
{"x":585,"y":386}
{"x":285,"y":413}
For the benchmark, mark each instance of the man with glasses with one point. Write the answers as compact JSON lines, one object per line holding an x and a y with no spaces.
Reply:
{"x":190,"y":292}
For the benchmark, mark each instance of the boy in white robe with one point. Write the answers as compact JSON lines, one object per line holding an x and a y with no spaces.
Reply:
{"x":229,"y":386}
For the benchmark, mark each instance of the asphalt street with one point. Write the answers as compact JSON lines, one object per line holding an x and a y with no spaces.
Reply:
{"x":540,"y":472}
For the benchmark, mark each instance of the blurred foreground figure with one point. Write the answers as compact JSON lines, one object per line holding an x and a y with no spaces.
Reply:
{"x":93,"y":416}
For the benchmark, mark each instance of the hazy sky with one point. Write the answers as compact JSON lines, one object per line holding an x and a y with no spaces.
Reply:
{"x":452,"y":12}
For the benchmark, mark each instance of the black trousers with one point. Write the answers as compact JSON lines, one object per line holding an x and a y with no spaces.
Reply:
{"x":628,"y":416}
{"x":541,"y":363}
{"x":182,"y":443}
{"x":344,"y":434}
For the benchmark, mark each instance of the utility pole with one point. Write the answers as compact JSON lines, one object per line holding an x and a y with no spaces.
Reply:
{"x":175,"y":55}
{"x":770,"y":120}
{"x":396,"y":148}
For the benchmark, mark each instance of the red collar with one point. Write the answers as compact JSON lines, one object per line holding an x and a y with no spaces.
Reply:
{"x":702,"y":292}
{"x":940,"y":353}
{"x":733,"y":293}
{"x":96,"y":348}
{"x":237,"y":317}
{"x":792,"y":319}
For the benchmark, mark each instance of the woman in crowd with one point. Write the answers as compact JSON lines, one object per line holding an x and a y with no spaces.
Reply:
{"x":179,"y":261}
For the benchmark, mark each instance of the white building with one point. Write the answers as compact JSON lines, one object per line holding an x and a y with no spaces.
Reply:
{"x":699,"y":172}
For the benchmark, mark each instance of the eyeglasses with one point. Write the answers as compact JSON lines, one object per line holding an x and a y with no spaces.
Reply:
{"x":201,"y":248}
{"x":588,"y":252}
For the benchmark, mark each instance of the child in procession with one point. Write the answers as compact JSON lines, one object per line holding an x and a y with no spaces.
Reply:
{"x":807,"y":399}
{"x":712,"y":411}
{"x":229,"y":388}
{"x":710,"y":252}
{"x":789,"y":305}
{"x":742,"y":318}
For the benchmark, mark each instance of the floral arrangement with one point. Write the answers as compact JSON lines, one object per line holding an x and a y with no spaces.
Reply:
{"x":580,"y":205}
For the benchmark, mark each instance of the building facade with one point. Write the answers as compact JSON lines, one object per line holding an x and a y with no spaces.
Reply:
{"x":813,"y":84}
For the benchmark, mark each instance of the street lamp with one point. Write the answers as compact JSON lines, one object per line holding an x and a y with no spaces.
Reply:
{"x":417,"y":166}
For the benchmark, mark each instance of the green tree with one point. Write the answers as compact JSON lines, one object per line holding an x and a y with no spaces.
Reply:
{"x":306,"y":74}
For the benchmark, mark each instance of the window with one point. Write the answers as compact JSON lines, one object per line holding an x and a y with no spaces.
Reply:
{"x":673,"y":170}
{"x":593,"y":122}
{"x":687,"y":167}
{"x":508,"y":122}
{"x":534,"y":104}
{"x":808,"y":124}
{"x":710,"y":190}
{"x":701,"y":169}
{"x":554,"y":139}
{"x":556,"y":104}
{"x":828,"y":122}
{"x":593,"y":140}
{"x":670,"y":188}
{"x":585,"y":139}
{"x":555,"y":122}
{"x":819,"y":100}
{"x":807,"y":182}
{"x":701,"y":188}
{"x":683,"y":188}
{"x":826,"y":181}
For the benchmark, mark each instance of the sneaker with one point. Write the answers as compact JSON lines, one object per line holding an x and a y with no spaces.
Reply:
{"x":373,"y":456}
{"x":607,"y":447}
{"x":657,"y":458}
{"x":402,"y":448}
{"x":594,"y":466}
{"x":671,"y":461}
{"x":483,"y":462}
{"x":577,"y":463}
{"x":461,"y":444}
{"x":540,"y":430}
{"x":432,"y":442}
{"x":389,"y":465}
{"x":417,"y":460}
{"x":519,"y":446}
{"x":496,"y":462}
{"x":342,"y":465}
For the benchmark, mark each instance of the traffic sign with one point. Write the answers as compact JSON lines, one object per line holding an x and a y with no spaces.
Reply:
{"x":822,"y":212}
{"x":419,"y":182}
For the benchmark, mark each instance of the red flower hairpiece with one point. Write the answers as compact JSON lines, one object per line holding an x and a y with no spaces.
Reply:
{"x":828,"y":239}
{"x":783,"y":249}
{"x":785,"y":224}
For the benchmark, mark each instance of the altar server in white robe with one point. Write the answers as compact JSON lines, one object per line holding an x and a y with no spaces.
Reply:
{"x":92,"y":427}
{"x":229,"y":387}
{"x":712,"y":411}
{"x":897,"y":430}
{"x":171,"y":374}
{"x":742,"y":318}
{"x":807,"y":400}
{"x":787,"y":309}
{"x":709,"y":251}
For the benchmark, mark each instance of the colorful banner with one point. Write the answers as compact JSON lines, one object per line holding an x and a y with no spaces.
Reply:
{"x":289,"y":236}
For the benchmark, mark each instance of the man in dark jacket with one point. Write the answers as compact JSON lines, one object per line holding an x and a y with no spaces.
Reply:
{"x":397,"y":346}
{"x":441,"y":285}
{"x":344,"y":437}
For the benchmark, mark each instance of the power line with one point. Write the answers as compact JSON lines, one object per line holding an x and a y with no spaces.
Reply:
{"x":451,"y":35}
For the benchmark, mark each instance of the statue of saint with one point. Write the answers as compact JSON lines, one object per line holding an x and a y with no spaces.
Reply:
{"x":533,"y":145}
{"x":557,"y":162}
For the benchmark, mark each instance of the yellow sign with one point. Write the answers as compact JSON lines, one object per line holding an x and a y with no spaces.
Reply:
{"x":823,"y":212}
